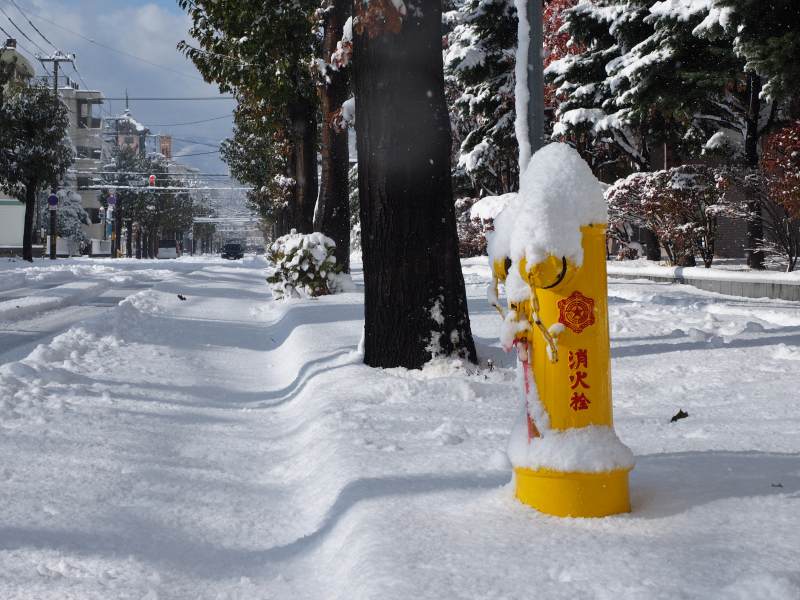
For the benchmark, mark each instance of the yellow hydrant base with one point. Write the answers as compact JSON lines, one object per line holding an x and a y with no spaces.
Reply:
{"x":565,"y":494}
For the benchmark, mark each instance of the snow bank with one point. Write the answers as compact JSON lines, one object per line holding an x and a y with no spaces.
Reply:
{"x":58,"y":297}
{"x":647,"y":268}
{"x":558,"y":195}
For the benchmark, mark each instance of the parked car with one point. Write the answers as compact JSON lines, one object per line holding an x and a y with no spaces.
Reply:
{"x":167,"y":249}
{"x":232,"y":251}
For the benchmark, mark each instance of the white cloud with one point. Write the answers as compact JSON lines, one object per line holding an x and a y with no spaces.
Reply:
{"x":149,"y":30}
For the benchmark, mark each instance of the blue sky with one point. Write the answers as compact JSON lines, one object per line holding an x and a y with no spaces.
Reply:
{"x":149,"y":30}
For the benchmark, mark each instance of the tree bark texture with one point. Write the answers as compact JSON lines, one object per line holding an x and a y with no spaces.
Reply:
{"x":129,"y":240}
{"x":333,"y":211}
{"x":304,"y":164}
{"x":27,"y":232}
{"x":415,"y":301}
{"x":755,"y":224}
{"x":117,"y":246}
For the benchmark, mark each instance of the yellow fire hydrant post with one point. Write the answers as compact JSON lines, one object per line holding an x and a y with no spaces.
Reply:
{"x":564,"y":346}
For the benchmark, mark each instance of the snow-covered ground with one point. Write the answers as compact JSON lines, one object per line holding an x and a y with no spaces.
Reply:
{"x":229,"y":447}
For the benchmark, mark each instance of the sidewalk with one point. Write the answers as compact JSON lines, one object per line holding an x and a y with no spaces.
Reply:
{"x":228,"y":446}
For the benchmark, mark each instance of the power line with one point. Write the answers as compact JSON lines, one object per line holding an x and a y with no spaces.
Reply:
{"x":25,"y":35}
{"x":176,"y":175}
{"x":171,"y":98}
{"x":20,"y":46}
{"x":112,"y":49}
{"x":141,"y":188}
{"x":195,"y":154}
{"x":227,"y":116}
{"x":195,"y":142}
{"x":36,"y":29}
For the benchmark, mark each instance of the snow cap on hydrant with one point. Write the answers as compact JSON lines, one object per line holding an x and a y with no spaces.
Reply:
{"x":549,"y":250}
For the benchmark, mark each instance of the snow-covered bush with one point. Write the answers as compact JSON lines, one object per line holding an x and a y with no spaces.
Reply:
{"x":471,"y":235}
{"x":303,"y":265}
{"x":681,"y":205}
{"x":70,"y":216}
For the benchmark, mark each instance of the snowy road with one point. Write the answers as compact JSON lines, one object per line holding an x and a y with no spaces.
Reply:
{"x":228,"y":447}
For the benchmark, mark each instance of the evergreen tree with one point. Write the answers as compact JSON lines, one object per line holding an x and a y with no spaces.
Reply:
{"x":479,"y":66}
{"x":767,"y":36}
{"x":415,"y":299}
{"x":591,"y":114}
{"x":260,"y":52}
{"x":698,"y":80}
{"x":258,"y":155}
{"x":34,"y":152}
{"x":70,"y":216}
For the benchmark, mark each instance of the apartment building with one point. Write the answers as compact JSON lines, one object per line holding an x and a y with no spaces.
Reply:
{"x":86,"y":133}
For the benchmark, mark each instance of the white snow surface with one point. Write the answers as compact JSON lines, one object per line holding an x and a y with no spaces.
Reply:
{"x":232,"y":447}
{"x":488,"y":207}
{"x":558,"y":194}
{"x":716,"y":273}
{"x":592,"y":449}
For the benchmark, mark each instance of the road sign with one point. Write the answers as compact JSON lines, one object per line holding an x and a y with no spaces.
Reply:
{"x":112,"y":200}
{"x":52,"y":200}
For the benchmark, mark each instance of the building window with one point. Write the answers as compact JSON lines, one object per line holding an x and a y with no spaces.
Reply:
{"x":89,"y":114}
{"x":88,"y":152}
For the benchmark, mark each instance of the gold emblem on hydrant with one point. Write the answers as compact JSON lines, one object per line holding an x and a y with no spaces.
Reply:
{"x":573,"y":464}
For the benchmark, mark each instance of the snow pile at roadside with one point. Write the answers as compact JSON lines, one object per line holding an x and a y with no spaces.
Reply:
{"x":558,"y":195}
{"x":63,"y":295}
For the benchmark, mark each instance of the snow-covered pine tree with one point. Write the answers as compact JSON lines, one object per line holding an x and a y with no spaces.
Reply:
{"x":70,"y":217}
{"x":767,"y":36}
{"x":589,"y":114}
{"x":34,"y":151}
{"x":479,"y":68}
{"x":689,"y":71}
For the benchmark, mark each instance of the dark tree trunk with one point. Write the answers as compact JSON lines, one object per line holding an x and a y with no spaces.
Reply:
{"x":117,"y":230}
{"x":304,"y":164}
{"x":755,"y":224}
{"x":415,"y":301}
{"x":129,"y":241}
{"x":333,"y":211}
{"x":27,"y":232}
{"x":139,"y":242}
{"x":651,"y":244}
{"x":648,"y":237}
{"x":281,"y":226}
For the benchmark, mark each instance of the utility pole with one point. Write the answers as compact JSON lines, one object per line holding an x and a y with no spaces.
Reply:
{"x":529,"y":71}
{"x":535,"y":77}
{"x":56,"y":58}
